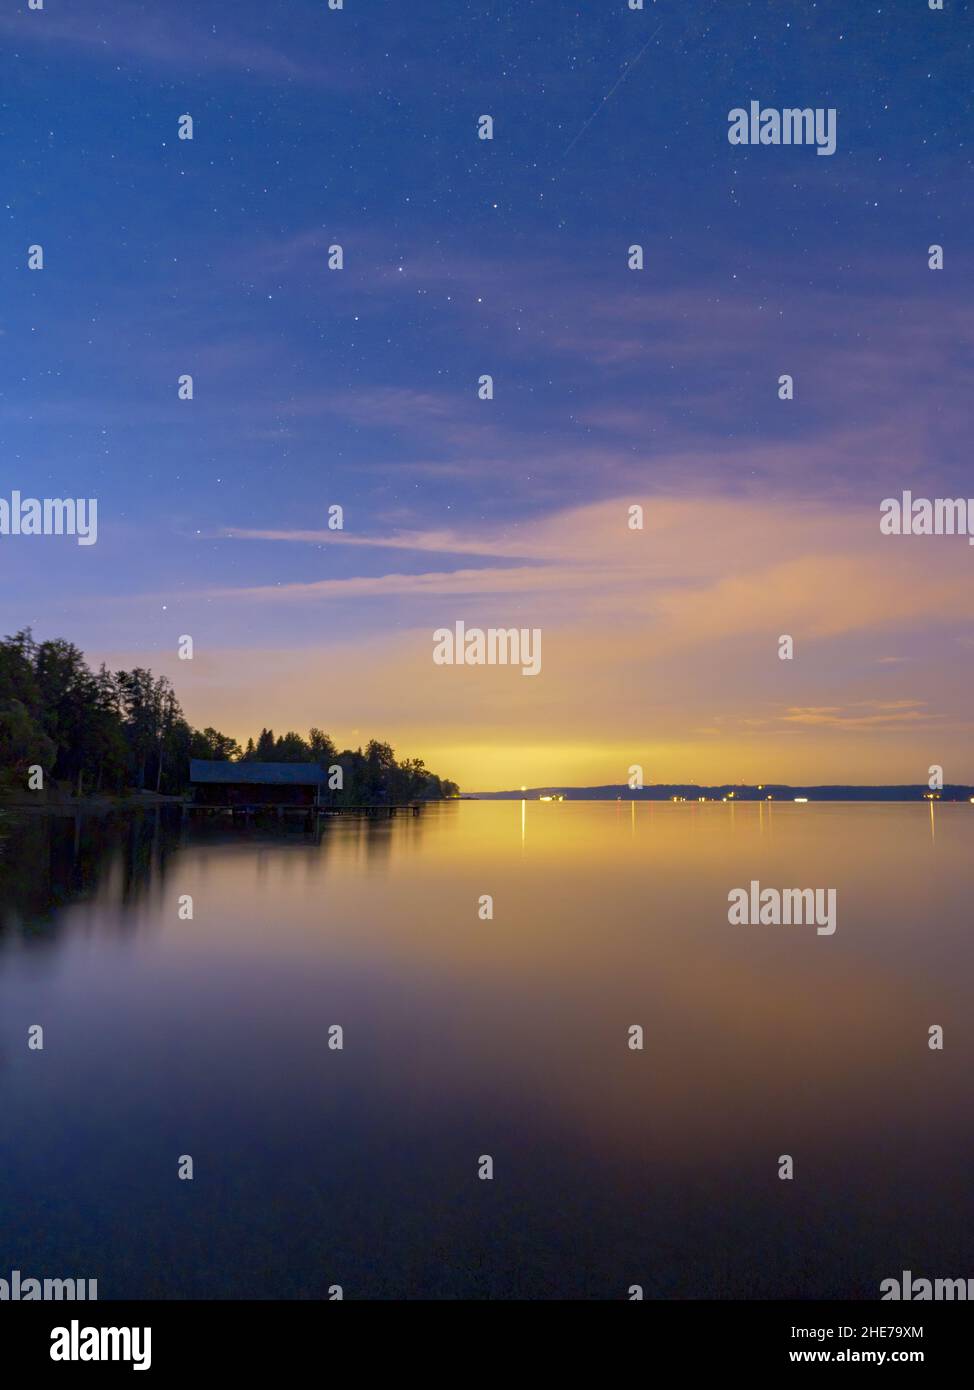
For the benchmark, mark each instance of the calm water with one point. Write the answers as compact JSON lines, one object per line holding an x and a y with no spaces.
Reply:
{"x":509,"y":1038}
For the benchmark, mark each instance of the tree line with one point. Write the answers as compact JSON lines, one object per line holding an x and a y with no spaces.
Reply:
{"x":109,"y":731}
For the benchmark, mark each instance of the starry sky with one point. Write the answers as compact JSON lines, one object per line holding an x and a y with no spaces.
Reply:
{"x":612,"y":387}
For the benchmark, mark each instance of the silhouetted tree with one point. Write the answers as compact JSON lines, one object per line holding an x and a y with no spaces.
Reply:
{"x":265,"y":746}
{"x":103,"y":731}
{"x":291,"y":748}
{"x":323,"y":751}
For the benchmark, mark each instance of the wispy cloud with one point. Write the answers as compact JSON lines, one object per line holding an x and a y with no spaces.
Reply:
{"x":446,"y":584}
{"x":659,"y":646}
{"x":419,"y":542}
{"x":699,"y":572}
{"x":864,"y":715}
{"x":167,"y":37}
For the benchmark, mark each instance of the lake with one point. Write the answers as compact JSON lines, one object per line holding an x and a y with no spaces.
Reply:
{"x":509,"y":1038}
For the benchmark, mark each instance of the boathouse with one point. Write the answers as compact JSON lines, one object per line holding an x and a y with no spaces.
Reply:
{"x":256,"y":784}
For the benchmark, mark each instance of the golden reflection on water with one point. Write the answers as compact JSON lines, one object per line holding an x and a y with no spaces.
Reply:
{"x":594,"y":930}
{"x":514,"y":1032}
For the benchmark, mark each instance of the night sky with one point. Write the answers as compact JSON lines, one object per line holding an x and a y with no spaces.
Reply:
{"x":612,"y":387}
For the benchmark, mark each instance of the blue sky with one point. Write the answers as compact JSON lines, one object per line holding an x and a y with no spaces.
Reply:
{"x":463,"y":257}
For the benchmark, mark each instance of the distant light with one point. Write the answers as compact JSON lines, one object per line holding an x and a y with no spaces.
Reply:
{"x":801,"y":798}
{"x":524,"y":789}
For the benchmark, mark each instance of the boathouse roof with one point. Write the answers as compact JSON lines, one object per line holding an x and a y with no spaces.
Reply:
{"x":264,"y":774}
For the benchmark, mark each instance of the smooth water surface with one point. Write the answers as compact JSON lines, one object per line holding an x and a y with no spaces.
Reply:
{"x":509,"y":1037}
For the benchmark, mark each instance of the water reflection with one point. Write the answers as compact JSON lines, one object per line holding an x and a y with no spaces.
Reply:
{"x":48,"y":862}
{"x":210,"y":1036}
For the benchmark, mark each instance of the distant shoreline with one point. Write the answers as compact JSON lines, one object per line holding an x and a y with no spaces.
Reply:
{"x":769,"y":791}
